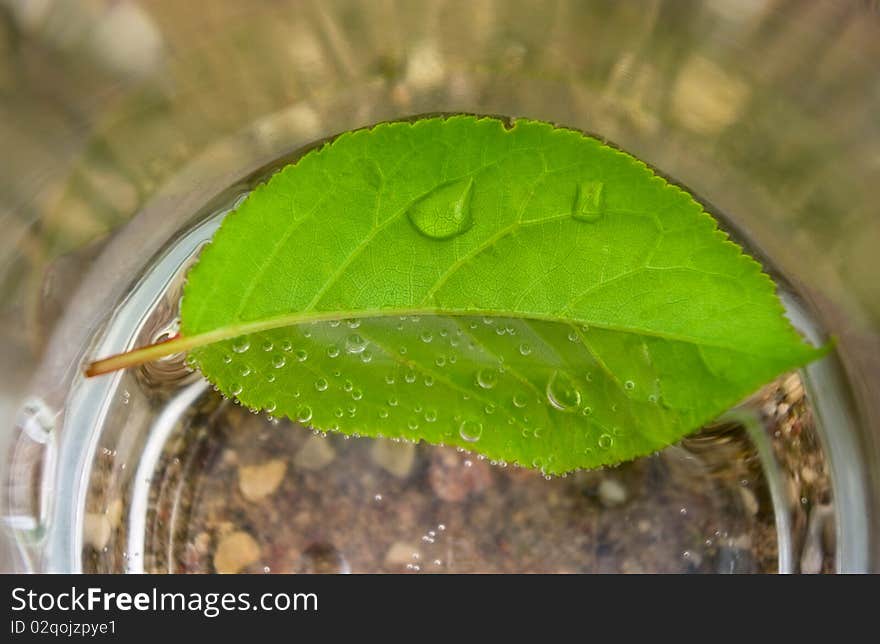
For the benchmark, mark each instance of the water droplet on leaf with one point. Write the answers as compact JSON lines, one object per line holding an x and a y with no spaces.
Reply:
{"x":562,"y":392}
{"x":445,"y":211}
{"x":487,"y":378}
{"x":355,"y":343}
{"x":470,"y":430}
{"x":589,"y":203}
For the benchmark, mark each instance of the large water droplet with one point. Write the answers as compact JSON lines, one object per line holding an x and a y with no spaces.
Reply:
{"x":301,"y":355}
{"x":487,"y":378}
{"x":241,"y":345}
{"x":321,"y":384}
{"x":278,"y":361}
{"x":606,"y":441}
{"x":445,"y":211}
{"x":355,"y":343}
{"x":304,"y":414}
{"x":470,"y":430}
{"x":589,"y":203}
{"x":562,"y":392}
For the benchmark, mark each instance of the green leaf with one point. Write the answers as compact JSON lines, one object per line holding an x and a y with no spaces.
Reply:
{"x":525,"y":292}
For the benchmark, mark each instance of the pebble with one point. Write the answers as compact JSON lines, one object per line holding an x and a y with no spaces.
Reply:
{"x":808,"y":475}
{"x":395,"y":458}
{"x":750,"y":502}
{"x":236,"y":551}
{"x":114,"y":513}
{"x":452,"y":481}
{"x":323,"y":558}
{"x":259,"y":481}
{"x":97,"y":530}
{"x":315,"y":454}
{"x":612,"y":493}
{"x":401,"y":553}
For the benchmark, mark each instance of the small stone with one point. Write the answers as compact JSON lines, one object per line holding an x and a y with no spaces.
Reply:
{"x":400,"y":554}
{"x":395,"y":458}
{"x":114,"y":513}
{"x":632,"y":567}
{"x":808,"y":475}
{"x":236,"y":551}
{"x":202,"y":543}
{"x":315,"y":454}
{"x":230,"y":457}
{"x":323,"y":558}
{"x":259,"y":481}
{"x":749,"y":501}
{"x":97,"y":530}
{"x":452,"y":479}
{"x":612,"y":493}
